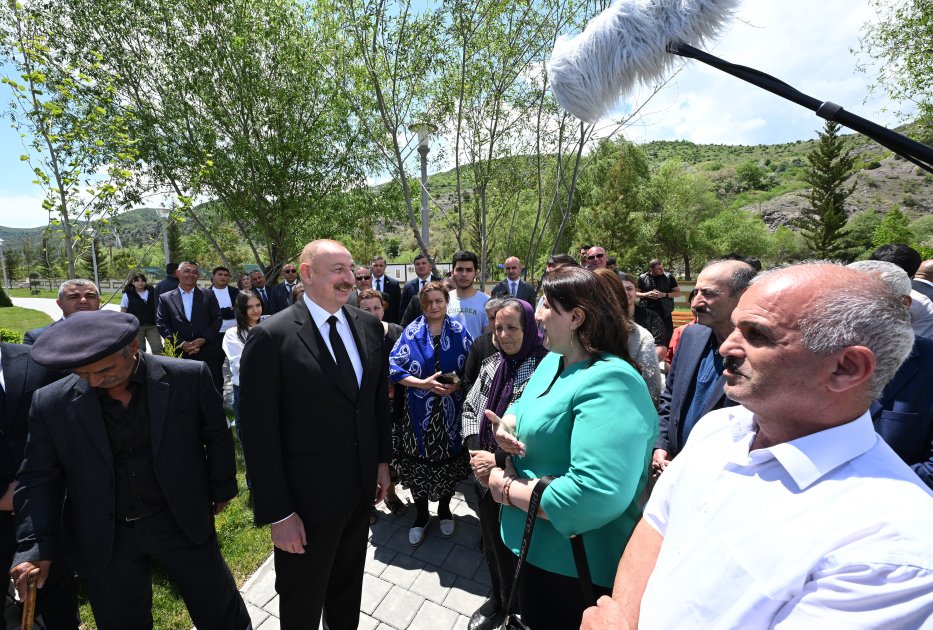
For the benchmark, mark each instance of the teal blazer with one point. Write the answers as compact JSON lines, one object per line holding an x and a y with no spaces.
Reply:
{"x":593,"y":429}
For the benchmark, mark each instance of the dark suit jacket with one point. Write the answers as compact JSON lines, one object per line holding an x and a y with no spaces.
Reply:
{"x":903,"y":415}
{"x":169,"y":283}
{"x":680,"y":386}
{"x":410,"y":290}
{"x":30,"y":336}
{"x":525,"y":291}
{"x":922,"y":287}
{"x":393,"y":291}
{"x":280,"y":297}
{"x":267,"y":305}
{"x":205,"y":319}
{"x":22,"y":377}
{"x":69,"y":461}
{"x":232,"y":292}
{"x":310,"y":446}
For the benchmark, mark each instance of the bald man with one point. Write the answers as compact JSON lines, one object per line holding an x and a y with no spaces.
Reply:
{"x":789,"y":510}
{"x":513,"y":285}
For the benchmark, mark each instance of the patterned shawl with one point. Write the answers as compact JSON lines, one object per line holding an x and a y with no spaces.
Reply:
{"x":413,"y":355}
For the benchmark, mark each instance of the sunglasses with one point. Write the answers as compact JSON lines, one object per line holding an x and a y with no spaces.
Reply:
{"x":364,"y":277}
{"x":595,"y":256}
{"x":288,"y":271}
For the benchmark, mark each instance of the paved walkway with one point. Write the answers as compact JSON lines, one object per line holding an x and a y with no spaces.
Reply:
{"x":49,"y":307}
{"x":436,"y":586}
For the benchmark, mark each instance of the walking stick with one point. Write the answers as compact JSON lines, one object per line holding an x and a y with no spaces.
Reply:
{"x":29,"y":604}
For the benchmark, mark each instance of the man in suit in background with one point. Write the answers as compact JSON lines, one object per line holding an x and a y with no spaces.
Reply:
{"x":74,"y":296}
{"x":694,"y":384}
{"x":388,"y":286}
{"x":513,"y":285}
{"x":413,"y":287}
{"x":316,"y":431}
{"x":923,"y":280}
{"x":20,"y":377}
{"x":282,"y":293}
{"x":169,"y":282}
{"x":129,"y":458}
{"x":258,"y":281}
{"x":191,"y":316}
{"x":363,"y":278}
{"x":921,"y":306}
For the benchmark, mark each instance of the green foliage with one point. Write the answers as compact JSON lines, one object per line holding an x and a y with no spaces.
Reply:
{"x":858,"y":234}
{"x":894,"y":228}
{"x":734,"y":230}
{"x":8,"y":335}
{"x":831,"y":166}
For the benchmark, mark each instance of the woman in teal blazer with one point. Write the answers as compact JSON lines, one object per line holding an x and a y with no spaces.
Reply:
{"x":587,"y":419}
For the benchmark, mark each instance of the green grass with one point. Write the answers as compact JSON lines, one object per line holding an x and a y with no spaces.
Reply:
{"x":26,"y":293}
{"x":19,"y":319}
{"x":243,"y":546}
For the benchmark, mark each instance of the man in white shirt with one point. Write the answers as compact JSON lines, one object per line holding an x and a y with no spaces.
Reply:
{"x":789,"y":510}
{"x":513,"y":285}
{"x":466,"y":300}
{"x":226,"y":295}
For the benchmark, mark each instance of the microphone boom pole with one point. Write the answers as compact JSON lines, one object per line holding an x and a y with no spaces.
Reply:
{"x":918,"y":153}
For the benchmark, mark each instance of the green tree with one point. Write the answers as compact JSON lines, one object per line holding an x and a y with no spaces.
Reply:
{"x":830,"y":167}
{"x":894,"y":228}
{"x":734,"y":230}
{"x":859,"y":231}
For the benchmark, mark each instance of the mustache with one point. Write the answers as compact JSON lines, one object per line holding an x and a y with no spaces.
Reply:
{"x":700,"y":309}
{"x":732,"y":364}
{"x":345,"y":286}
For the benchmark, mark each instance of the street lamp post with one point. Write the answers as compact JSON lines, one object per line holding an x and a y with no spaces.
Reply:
{"x":6,"y":281}
{"x":424,"y":131}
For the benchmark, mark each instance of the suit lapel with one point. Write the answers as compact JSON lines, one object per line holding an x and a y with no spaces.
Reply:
{"x":175,"y":297}
{"x":310,"y":336}
{"x":362,"y":347}
{"x":157,"y":393}
{"x":85,"y":410}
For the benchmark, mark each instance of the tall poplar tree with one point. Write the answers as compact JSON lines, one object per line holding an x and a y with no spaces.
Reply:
{"x":830,"y":168}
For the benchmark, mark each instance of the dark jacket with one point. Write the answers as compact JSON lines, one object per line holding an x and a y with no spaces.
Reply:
{"x":393,"y":291}
{"x":69,"y":462}
{"x":410,"y":290}
{"x":205,"y":318}
{"x":145,"y":312}
{"x":525,"y":291}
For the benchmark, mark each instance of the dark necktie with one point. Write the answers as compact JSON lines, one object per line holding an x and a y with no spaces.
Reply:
{"x":344,"y":366}
{"x":514,"y":290}
{"x":262,"y":294}
{"x":378,"y":284}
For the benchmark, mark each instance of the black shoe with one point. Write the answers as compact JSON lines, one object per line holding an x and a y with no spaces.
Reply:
{"x":487,"y":617}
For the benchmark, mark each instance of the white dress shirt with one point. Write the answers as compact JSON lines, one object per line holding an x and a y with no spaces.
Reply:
{"x":233,"y":348}
{"x":223,"y":301}
{"x":187,"y":301}
{"x":320,"y":316}
{"x":921,"y":314}
{"x":831,"y":530}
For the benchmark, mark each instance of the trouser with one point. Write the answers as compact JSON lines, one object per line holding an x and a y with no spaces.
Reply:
{"x":550,"y":601}
{"x":499,"y":559}
{"x":327,"y":579}
{"x":214,"y":363}
{"x":149,"y":333}
{"x":121,"y":596}
{"x":57,"y":600}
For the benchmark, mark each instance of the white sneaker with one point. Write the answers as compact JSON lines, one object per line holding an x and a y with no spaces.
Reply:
{"x":416,"y":536}
{"x":447,"y":527}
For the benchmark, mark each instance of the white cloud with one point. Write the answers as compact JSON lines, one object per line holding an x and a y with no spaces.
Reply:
{"x":19,"y":210}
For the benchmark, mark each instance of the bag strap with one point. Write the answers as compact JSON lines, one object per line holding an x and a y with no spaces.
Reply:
{"x":583,"y":570}
{"x":533,"y":505}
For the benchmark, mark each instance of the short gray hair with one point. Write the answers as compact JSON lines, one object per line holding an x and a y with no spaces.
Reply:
{"x":76,"y":282}
{"x":857,"y":314}
{"x":493,"y":305}
{"x":893,"y":276}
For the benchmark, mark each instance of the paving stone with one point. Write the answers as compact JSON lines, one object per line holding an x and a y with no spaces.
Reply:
{"x":374,"y":591}
{"x":367,"y":622}
{"x":467,"y":534}
{"x":482,"y":575}
{"x":381,"y":531}
{"x":260,"y":588}
{"x":434,"y":550}
{"x":433,"y":617}
{"x":399,"y":542}
{"x":398,"y":608}
{"x":256,"y":615}
{"x":402,"y":571}
{"x":273,"y":606}
{"x":463,"y":623}
{"x":463,"y":509}
{"x":434,"y":584}
{"x":271,"y":623}
{"x":378,"y":558}
{"x":463,"y":561}
{"x":466,"y":596}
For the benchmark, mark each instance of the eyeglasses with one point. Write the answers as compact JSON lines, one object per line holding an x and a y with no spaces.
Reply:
{"x":288,"y":271}
{"x":364,"y":277}
{"x":595,"y":256}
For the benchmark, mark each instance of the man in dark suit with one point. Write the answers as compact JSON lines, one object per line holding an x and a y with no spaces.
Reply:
{"x":316,"y":434}
{"x":922,"y":281}
{"x":694,"y":384}
{"x":74,"y":296}
{"x":129,"y":458}
{"x":169,"y":282}
{"x":513,"y":285}
{"x":281,"y":294}
{"x":191,"y":316}
{"x":388,"y":286}
{"x":413,"y":287}
{"x":258,"y":281}
{"x":57,"y":602}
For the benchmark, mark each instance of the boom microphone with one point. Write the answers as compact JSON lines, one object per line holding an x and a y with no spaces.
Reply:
{"x":634,"y":41}
{"x":627,"y":44}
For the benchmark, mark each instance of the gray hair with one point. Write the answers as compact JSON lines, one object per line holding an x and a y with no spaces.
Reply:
{"x":76,"y":282}
{"x":494,"y":305}
{"x":857,"y":314}
{"x":895,"y":278}
{"x":742,"y":274}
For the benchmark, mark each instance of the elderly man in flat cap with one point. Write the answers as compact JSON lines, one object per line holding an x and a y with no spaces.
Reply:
{"x":128,"y":459}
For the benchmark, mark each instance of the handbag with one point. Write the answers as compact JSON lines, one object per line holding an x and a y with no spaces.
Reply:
{"x":511,"y":622}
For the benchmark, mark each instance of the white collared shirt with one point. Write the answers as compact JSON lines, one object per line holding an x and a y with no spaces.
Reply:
{"x":320,"y":316}
{"x":223,"y":301}
{"x":831,"y":530}
{"x":187,"y":301}
{"x":921,"y":314}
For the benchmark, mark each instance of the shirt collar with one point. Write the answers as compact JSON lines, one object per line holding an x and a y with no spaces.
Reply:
{"x":807,"y":459}
{"x":320,"y":315}
{"x":191,"y":292}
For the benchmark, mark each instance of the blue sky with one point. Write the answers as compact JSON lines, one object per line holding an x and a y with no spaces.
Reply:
{"x":805,"y":43}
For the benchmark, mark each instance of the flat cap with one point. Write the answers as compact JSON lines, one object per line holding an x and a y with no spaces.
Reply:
{"x":83,"y":338}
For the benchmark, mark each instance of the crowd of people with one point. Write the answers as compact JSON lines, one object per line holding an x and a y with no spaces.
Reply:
{"x":769,"y":463}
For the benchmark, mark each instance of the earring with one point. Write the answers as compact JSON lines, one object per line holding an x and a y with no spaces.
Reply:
{"x":573,"y":334}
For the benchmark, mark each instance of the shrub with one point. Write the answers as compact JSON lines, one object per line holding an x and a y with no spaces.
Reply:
{"x":5,"y":300}
{"x":8,"y":335}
